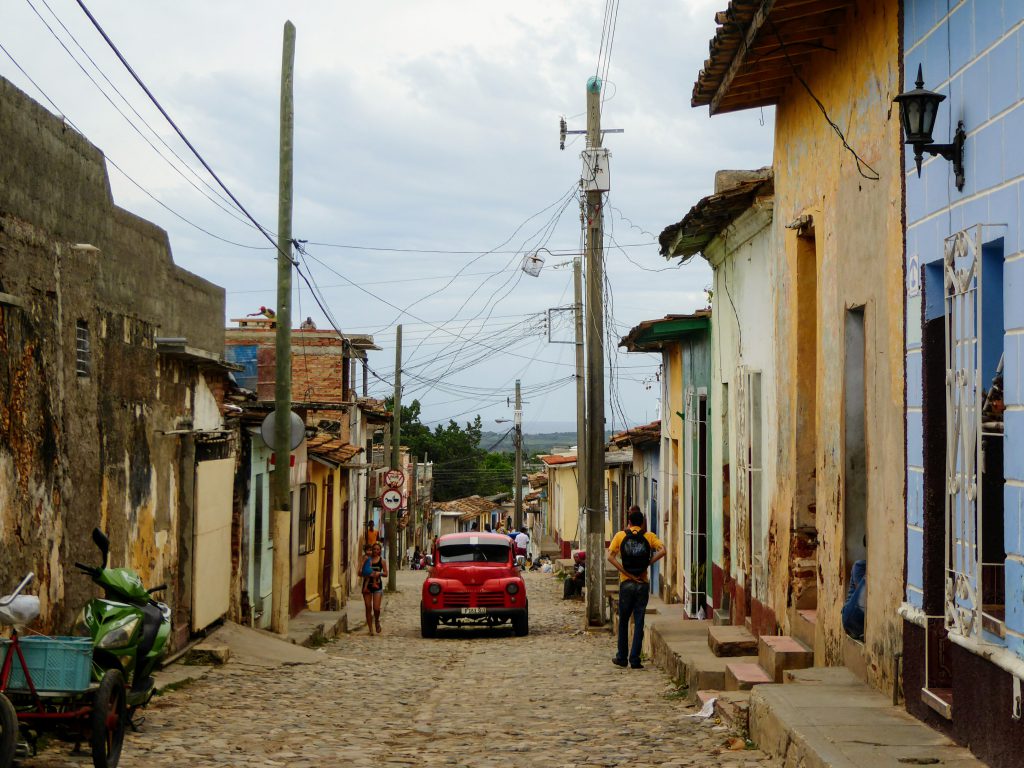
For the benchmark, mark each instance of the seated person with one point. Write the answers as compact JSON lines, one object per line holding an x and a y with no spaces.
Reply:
{"x":856,"y":599}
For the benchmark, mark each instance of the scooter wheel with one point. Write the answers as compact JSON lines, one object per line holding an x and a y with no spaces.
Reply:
{"x":108,"y":720}
{"x":8,"y":732}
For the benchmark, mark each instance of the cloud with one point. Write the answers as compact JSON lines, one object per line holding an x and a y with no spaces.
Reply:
{"x":419,"y":124}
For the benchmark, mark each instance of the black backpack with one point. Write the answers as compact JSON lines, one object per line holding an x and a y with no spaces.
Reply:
{"x":636,"y":553}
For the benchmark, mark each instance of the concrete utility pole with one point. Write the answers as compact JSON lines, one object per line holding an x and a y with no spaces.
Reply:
{"x":282,"y":522}
{"x":581,"y":388}
{"x":595,"y":358}
{"x":518,"y":488}
{"x":396,"y":431}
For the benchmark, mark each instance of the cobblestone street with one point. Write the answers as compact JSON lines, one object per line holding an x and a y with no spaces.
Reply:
{"x":469,"y":698}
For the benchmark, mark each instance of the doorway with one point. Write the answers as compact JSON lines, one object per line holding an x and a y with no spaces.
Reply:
{"x":256,"y":588}
{"x":855,"y":476}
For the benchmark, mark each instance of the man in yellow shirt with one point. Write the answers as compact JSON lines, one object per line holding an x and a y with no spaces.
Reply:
{"x":631,"y":553}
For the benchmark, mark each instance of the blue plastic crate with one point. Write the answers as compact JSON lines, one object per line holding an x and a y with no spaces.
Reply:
{"x":55,"y":663}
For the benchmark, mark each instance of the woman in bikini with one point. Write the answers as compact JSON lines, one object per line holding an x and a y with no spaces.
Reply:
{"x":373,"y":589}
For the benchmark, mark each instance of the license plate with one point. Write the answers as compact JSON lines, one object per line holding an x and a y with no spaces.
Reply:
{"x":473,"y":611}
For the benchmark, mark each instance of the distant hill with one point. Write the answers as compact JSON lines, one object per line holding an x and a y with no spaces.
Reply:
{"x":541,"y":442}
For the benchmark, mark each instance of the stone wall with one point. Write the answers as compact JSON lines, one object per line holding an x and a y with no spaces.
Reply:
{"x":85,"y":448}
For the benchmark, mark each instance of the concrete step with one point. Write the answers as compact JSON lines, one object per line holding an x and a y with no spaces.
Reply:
{"x":680,"y":647}
{"x":733,"y":707}
{"x":803,"y":623}
{"x":731,"y":641}
{"x":742,"y":676}
{"x":779,"y":653}
{"x":720,"y":617}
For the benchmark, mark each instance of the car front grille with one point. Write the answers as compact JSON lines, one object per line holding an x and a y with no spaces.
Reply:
{"x":490,"y":599}
{"x":474,"y":599}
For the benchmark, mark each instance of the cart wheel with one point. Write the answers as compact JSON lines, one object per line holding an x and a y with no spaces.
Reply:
{"x":108,"y":720}
{"x":8,"y":732}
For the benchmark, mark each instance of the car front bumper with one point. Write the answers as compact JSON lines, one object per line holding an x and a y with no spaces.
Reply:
{"x":483,"y":613}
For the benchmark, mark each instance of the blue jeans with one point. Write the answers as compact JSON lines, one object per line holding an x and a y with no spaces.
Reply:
{"x":633,"y":597}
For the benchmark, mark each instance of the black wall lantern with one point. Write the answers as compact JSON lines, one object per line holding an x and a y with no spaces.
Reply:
{"x":918,"y":109}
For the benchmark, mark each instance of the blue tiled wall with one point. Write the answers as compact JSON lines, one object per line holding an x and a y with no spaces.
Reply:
{"x":973,"y":52}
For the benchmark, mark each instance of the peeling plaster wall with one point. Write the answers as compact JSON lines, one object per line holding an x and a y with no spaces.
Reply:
{"x":858,"y":227}
{"x":84,"y":451}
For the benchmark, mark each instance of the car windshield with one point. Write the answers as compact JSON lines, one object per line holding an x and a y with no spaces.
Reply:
{"x":467,"y":552}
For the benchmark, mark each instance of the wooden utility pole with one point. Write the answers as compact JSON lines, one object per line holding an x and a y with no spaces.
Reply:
{"x":396,"y":432}
{"x":581,"y":389}
{"x":518,"y":487}
{"x":595,"y":360}
{"x":282,"y":522}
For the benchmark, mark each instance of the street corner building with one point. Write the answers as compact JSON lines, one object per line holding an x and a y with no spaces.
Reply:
{"x":111,"y":385}
{"x":963,"y":609}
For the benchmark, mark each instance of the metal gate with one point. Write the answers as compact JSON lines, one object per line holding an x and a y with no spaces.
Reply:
{"x":695,"y":500}
{"x":748,"y":542}
{"x":962,"y":269}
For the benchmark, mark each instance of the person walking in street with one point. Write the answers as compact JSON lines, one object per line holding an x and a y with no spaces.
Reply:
{"x":522,"y":541}
{"x":632,"y":552}
{"x":373,"y":588}
{"x":370,"y":537}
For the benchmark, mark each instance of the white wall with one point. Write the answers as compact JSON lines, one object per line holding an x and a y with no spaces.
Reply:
{"x":742,"y":334}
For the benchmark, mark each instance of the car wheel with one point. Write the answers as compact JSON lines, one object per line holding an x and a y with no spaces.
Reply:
{"x":428,"y":625}
{"x":108,"y":720}
{"x":8,"y":731}
{"x":521,"y":624}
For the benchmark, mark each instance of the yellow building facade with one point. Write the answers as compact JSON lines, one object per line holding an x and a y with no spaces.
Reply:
{"x":838,"y":493}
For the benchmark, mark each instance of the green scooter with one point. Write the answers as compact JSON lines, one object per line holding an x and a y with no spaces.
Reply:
{"x":128,"y":627}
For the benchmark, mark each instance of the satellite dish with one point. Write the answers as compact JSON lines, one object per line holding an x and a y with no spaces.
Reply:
{"x":298,"y":430}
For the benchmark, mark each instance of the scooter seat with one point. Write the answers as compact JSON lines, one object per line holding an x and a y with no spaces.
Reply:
{"x":22,"y":610}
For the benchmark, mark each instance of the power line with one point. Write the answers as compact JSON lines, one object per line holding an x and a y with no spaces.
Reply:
{"x":178,"y":130}
{"x":128,"y":120}
{"x":112,"y":162}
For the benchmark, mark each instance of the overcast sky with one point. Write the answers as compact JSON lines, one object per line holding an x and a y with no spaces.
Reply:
{"x":426,"y":125}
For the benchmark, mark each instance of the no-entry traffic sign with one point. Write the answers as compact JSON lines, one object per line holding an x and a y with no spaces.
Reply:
{"x":391,"y":500}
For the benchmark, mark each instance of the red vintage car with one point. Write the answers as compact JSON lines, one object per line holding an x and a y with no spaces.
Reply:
{"x":474,"y":580}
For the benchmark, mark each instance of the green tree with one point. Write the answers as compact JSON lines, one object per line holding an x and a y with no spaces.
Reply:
{"x":461,"y":466}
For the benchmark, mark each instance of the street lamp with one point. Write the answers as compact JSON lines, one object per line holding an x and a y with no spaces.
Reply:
{"x":918,"y":109}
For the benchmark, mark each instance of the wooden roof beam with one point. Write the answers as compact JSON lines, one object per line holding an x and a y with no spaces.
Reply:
{"x":739,"y":58}
{"x":732,"y":105}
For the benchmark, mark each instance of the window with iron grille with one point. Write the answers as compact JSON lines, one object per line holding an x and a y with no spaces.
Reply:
{"x":83,"y":355}
{"x":307,"y":518}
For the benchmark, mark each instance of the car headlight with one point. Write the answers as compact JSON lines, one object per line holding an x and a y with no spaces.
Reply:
{"x":121,"y":635}
{"x":434,"y":588}
{"x":512,"y":588}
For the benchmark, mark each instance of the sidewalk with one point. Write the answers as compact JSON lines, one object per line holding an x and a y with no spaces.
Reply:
{"x":827,"y":718}
{"x":820,"y":717}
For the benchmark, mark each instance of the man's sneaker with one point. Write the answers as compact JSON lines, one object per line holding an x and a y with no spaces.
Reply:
{"x":638,"y":665}
{"x":618,"y":662}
